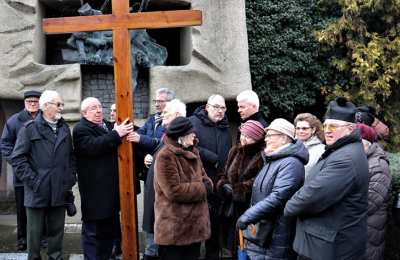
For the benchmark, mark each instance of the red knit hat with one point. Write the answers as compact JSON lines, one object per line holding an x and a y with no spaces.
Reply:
{"x":367,"y":132}
{"x":253,"y":129}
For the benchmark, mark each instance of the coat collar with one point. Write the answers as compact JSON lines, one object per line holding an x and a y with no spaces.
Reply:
{"x":353,"y":137}
{"x":175,"y":148}
{"x":47,"y":133}
{"x":202,"y":114}
{"x":98,"y":129}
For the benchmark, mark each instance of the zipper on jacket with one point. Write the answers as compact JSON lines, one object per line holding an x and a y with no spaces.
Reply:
{"x":265,"y":175}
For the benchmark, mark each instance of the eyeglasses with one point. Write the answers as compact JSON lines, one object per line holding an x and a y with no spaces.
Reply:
{"x":58,"y":104}
{"x":158,"y":101}
{"x":332,"y":127}
{"x":271,"y":135}
{"x":31,"y":101}
{"x":302,"y":128}
{"x":218,"y":107}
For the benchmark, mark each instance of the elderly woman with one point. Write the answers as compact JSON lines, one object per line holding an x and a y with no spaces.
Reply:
{"x":309,"y":130}
{"x":378,"y":192}
{"x":243,"y":164}
{"x":269,"y":234}
{"x":182,"y":219}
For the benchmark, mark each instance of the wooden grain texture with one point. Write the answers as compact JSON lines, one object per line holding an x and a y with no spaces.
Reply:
{"x":145,"y":20}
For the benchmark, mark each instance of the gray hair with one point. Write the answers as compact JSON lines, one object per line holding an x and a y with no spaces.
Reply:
{"x":215,"y":96}
{"x":87,"y":101}
{"x":176,"y":106}
{"x":169,"y":93}
{"x":249,"y":96}
{"x":47,"y":97}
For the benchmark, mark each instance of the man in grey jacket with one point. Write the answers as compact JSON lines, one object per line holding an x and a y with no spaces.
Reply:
{"x":331,"y":207}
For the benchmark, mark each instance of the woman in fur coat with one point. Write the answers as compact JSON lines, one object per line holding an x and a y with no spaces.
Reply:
{"x":243,"y":163}
{"x":181,"y":185}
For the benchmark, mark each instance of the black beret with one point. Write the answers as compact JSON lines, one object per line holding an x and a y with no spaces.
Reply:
{"x":32,"y":93}
{"x":341,"y":109}
{"x":178,"y":127}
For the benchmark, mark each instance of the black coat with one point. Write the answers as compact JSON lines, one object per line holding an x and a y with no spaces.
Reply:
{"x":215,"y":141}
{"x":96,"y":153}
{"x":44,"y":162}
{"x":149,"y":196}
{"x":332,"y":205}
{"x":9,"y":137}
{"x":281,"y":176}
{"x":258,"y":116}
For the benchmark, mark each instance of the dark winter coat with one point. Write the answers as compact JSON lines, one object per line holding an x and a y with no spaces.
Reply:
{"x":332,"y":205}
{"x":9,"y":137}
{"x":378,"y":196}
{"x":215,"y":140}
{"x":96,"y":153}
{"x":149,"y":196}
{"x":242,"y":166}
{"x":44,"y":162}
{"x":150,"y":135}
{"x":281,"y":176}
{"x":181,"y":209}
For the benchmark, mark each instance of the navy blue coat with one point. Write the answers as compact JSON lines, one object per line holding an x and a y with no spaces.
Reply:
{"x":332,"y":205}
{"x":215,"y":141}
{"x":9,"y":137}
{"x":281,"y":176}
{"x":97,"y":165}
{"x":44,"y":162}
{"x":150,"y":135}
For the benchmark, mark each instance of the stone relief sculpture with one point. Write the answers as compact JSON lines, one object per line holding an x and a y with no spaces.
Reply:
{"x":95,"y":48}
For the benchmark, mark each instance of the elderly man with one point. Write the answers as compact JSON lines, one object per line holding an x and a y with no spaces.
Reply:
{"x":113,"y":113}
{"x":248,"y":107}
{"x":96,"y":148}
{"x":8,"y":139}
{"x":43,"y":160}
{"x":212,"y":129}
{"x":332,"y":205}
{"x":172,"y":110}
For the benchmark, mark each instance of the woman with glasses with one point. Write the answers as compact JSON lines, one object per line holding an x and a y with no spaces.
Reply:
{"x":309,"y":130}
{"x":269,"y":234}
{"x":242,"y":166}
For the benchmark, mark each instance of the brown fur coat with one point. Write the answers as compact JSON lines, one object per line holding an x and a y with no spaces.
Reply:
{"x":241,"y":168}
{"x":181,"y":209}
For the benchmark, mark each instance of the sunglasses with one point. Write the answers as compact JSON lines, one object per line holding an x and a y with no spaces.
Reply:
{"x":332,"y":127}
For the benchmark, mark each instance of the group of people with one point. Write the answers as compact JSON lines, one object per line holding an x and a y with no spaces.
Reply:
{"x":301,"y":190}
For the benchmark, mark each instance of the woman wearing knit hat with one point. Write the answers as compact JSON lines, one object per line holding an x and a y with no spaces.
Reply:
{"x":181,"y":185}
{"x":243,"y":164}
{"x":309,"y":130}
{"x":269,"y":234}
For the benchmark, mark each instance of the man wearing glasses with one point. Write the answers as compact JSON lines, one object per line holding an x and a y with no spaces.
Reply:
{"x":212,"y":129}
{"x":332,"y":205}
{"x":8,"y":139}
{"x":43,"y":160}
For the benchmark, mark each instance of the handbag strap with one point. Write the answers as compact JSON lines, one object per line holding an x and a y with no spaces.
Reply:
{"x":241,"y":242}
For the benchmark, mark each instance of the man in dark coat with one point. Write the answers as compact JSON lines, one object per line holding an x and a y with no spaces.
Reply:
{"x":96,"y":148}
{"x":43,"y":160}
{"x":8,"y":139}
{"x":212,"y":129}
{"x":248,"y":107}
{"x":172,"y":110}
{"x":332,"y":205}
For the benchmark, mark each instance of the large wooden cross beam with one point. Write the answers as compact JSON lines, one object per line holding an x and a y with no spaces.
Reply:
{"x":120,"y":21}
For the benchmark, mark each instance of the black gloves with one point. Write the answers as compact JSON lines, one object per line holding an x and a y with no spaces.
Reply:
{"x":208,"y":185}
{"x":69,"y":203}
{"x":241,"y":224}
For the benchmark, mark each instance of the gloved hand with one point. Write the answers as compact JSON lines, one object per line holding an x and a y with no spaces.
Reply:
{"x":69,"y":204}
{"x":227,"y":190}
{"x":241,"y":224}
{"x":208,"y":185}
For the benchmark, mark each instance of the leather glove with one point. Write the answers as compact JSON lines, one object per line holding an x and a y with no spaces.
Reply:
{"x":241,"y":224}
{"x":69,"y":204}
{"x":208,"y":185}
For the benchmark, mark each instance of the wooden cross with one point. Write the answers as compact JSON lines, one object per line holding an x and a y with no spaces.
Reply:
{"x":120,"y":21}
